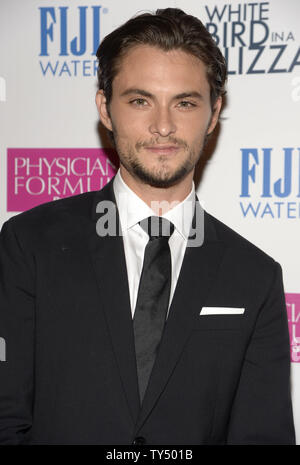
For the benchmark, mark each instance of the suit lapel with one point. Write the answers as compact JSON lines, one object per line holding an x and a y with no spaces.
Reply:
{"x":198,"y":272}
{"x":110,"y":268}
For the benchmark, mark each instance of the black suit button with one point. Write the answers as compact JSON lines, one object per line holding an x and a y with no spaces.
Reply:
{"x":139,"y":441}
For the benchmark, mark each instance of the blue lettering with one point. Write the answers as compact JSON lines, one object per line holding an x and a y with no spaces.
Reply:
{"x":226,"y":56}
{"x":215,"y":12}
{"x":291,"y":208}
{"x":82,"y":34}
{"x":78,"y":45}
{"x":251,"y":69}
{"x":49,"y":68}
{"x":248,"y":172}
{"x":266,"y":173}
{"x":46,"y":31}
{"x":75,"y":62}
{"x":237,"y":34}
{"x":96,"y":28}
{"x":234,"y":12}
{"x":279,"y":208}
{"x":65,"y":69}
{"x":250,"y":208}
{"x":287,"y":176}
{"x":63,"y":30}
{"x":267,"y":211}
{"x":95,"y":67}
{"x":272,"y":67}
{"x":295,"y":61}
{"x":253,"y":43}
{"x":86,"y":68}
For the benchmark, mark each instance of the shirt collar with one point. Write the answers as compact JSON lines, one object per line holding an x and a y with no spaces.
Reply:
{"x":182,"y":214}
{"x":133,"y":209}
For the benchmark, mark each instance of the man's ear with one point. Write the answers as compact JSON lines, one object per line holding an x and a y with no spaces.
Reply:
{"x":215,"y":115}
{"x":102,"y":109}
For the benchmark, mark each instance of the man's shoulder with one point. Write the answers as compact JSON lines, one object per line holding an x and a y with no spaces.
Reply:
{"x":239,"y":248}
{"x":54,"y":212}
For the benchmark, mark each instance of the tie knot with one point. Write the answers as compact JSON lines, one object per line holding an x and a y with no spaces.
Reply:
{"x":156,"y":226}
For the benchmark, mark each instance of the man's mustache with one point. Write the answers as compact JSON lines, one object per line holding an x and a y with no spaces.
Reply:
{"x":170,"y":141}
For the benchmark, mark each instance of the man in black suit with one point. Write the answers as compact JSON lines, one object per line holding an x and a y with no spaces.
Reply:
{"x":121,"y":329}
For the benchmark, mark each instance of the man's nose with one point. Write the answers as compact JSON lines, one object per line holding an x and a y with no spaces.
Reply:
{"x":162,"y":122}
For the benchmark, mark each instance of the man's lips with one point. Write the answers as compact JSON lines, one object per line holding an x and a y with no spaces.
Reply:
{"x":163,"y":149}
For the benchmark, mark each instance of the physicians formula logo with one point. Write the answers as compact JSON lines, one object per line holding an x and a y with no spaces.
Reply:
{"x":36,"y":176}
{"x":270,"y":183}
{"x":250,"y":44}
{"x":293,"y":310}
{"x":69,"y":38}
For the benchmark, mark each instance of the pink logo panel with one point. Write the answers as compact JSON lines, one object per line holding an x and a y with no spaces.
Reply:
{"x":293,"y":311}
{"x":36,"y":176}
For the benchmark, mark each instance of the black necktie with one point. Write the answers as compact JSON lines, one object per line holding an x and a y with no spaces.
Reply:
{"x":153,"y":296}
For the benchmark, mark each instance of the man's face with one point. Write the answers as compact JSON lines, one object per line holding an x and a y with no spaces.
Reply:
{"x":160,"y":114}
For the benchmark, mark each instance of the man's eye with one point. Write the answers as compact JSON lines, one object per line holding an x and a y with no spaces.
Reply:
{"x":140,"y":102}
{"x":186,"y":104}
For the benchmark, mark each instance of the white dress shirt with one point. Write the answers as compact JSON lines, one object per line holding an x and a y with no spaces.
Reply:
{"x":133,"y":209}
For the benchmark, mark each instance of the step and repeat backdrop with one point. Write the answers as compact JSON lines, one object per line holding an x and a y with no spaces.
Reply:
{"x":51,"y":145}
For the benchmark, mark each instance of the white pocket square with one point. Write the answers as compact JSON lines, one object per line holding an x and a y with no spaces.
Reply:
{"x":221,"y":311}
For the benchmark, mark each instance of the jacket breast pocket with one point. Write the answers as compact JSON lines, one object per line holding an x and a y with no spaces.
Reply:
{"x":218,"y":322}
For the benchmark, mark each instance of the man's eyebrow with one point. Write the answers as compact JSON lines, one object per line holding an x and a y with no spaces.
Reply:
{"x":193,"y":93}
{"x":137,"y":91}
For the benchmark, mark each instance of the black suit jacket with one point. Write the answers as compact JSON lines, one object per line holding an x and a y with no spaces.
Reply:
{"x":70,"y":371}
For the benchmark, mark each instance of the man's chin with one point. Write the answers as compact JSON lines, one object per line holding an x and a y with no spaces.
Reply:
{"x":161,"y":183}
{"x":158,"y":180}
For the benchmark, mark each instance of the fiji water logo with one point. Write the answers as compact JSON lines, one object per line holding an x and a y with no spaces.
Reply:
{"x":293,"y":312}
{"x":270,"y":183}
{"x":69,"y":38}
{"x":250,"y":45}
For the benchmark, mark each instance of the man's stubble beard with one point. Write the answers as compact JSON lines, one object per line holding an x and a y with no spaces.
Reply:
{"x":160,"y":177}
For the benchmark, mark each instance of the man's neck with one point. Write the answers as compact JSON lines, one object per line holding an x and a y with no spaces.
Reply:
{"x":160,"y":200}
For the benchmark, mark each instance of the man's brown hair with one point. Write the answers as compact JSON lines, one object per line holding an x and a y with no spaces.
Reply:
{"x":167,"y":29}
